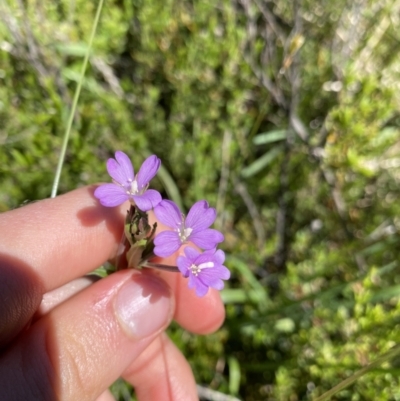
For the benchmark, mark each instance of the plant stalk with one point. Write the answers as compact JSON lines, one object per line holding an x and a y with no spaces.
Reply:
{"x":71,"y":117}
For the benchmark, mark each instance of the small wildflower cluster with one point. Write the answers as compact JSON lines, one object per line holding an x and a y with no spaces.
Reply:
{"x":204,"y":269}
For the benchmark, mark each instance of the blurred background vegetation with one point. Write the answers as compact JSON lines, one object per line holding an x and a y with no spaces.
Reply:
{"x":284,"y":115}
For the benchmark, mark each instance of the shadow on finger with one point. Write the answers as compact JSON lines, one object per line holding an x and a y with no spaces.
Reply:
{"x":21,"y":292}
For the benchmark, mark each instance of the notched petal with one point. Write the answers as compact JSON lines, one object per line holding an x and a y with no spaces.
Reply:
{"x":207,"y":239}
{"x":125,"y":163}
{"x":166,"y":243}
{"x":148,"y":170}
{"x":168,"y":213}
{"x":200,"y":216}
{"x":111,"y":195}
{"x":147,"y":201}
{"x":114,"y":169}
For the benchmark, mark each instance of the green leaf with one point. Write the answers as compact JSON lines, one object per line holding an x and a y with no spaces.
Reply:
{"x":239,"y":296}
{"x":20,"y":158}
{"x":234,"y":375}
{"x":385,"y":294}
{"x":101,"y":271}
{"x":360,"y":164}
{"x":262,"y":162}
{"x":89,"y":83}
{"x":73,"y":49}
{"x":259,"y":292}
{"x":285,"y":325}
{"x":269,"y":137}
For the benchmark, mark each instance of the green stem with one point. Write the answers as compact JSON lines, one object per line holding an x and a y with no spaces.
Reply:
{"x":350,"y":380}
{"x":160,"y":266}
{"x":75,"y":102}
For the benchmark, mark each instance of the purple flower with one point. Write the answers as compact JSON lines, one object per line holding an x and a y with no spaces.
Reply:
{"x":203,"y":269}
{"x":127,"y":186}
{"x":194,"y":228}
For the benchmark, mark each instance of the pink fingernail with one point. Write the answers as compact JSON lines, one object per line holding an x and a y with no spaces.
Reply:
{"x":143,"y":306}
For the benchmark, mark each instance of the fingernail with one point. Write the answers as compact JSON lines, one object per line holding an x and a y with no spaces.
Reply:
{"x":143,"y":306}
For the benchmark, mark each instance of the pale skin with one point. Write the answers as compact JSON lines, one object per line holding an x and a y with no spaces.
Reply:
{"x":67,"y":338}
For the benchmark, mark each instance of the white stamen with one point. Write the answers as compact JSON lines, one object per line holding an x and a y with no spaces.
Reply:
{"x":184,"y":233}
{"x":134,"y":187}
{"x":206,"y":265}
{"x":197,"y":269}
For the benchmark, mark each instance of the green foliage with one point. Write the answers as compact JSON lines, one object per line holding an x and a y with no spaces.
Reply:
{"x":283,"y":115}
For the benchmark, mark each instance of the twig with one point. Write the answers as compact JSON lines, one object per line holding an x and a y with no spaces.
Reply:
{"x":108,"y":75}
{"x":259,"y":72}
{"x":241,"y":189}
{"x":223,"y":182}
{"x":281,"y":253}
{"x":269,"y":17}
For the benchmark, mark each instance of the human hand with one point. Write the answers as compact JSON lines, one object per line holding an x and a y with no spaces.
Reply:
{"x":63,"y":337}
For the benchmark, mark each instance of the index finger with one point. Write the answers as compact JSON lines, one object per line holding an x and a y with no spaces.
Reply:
{"x":62,"y":238}
{"x":46,"y":244}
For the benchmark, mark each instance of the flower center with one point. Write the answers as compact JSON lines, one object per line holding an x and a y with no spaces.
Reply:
{"x":134,"y":188}
{"x":184,"y":233}
{"x":196,"y":269}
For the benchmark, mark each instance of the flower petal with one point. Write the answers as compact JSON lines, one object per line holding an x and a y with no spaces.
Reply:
{"x":219,"y":256}
{"x":218,"y":284}
{"x":200,"y":216}
{"x":206,"y":239}
{"x":166,"y":243}
{"x":192,"y":254}
{"x":212,"y":276}
{"x":201,"y":288}
{"x":168,"y":213}
{"x":125,"y":163}
{"x":147,"y":171}
{"x":111,"y":195}
{"x":150,"y":199}
{"x":192,"y":281}
{"x":205,"y":257}
{"x":224,"y":272}
{"x":114,"y":169}
{"x":121,"y":169}
{"x":183,"y":265}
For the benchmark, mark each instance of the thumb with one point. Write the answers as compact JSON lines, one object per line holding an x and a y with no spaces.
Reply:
{"x":78,"y":349}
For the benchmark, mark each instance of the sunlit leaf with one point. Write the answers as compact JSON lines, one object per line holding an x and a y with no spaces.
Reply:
{"x":269,"y":137}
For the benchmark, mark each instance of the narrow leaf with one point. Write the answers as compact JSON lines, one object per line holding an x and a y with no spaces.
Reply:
{"x":73,"y":49}
{"x":262,"y":162}
{"x":234,"y":375}
{"x":269,"y":137}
